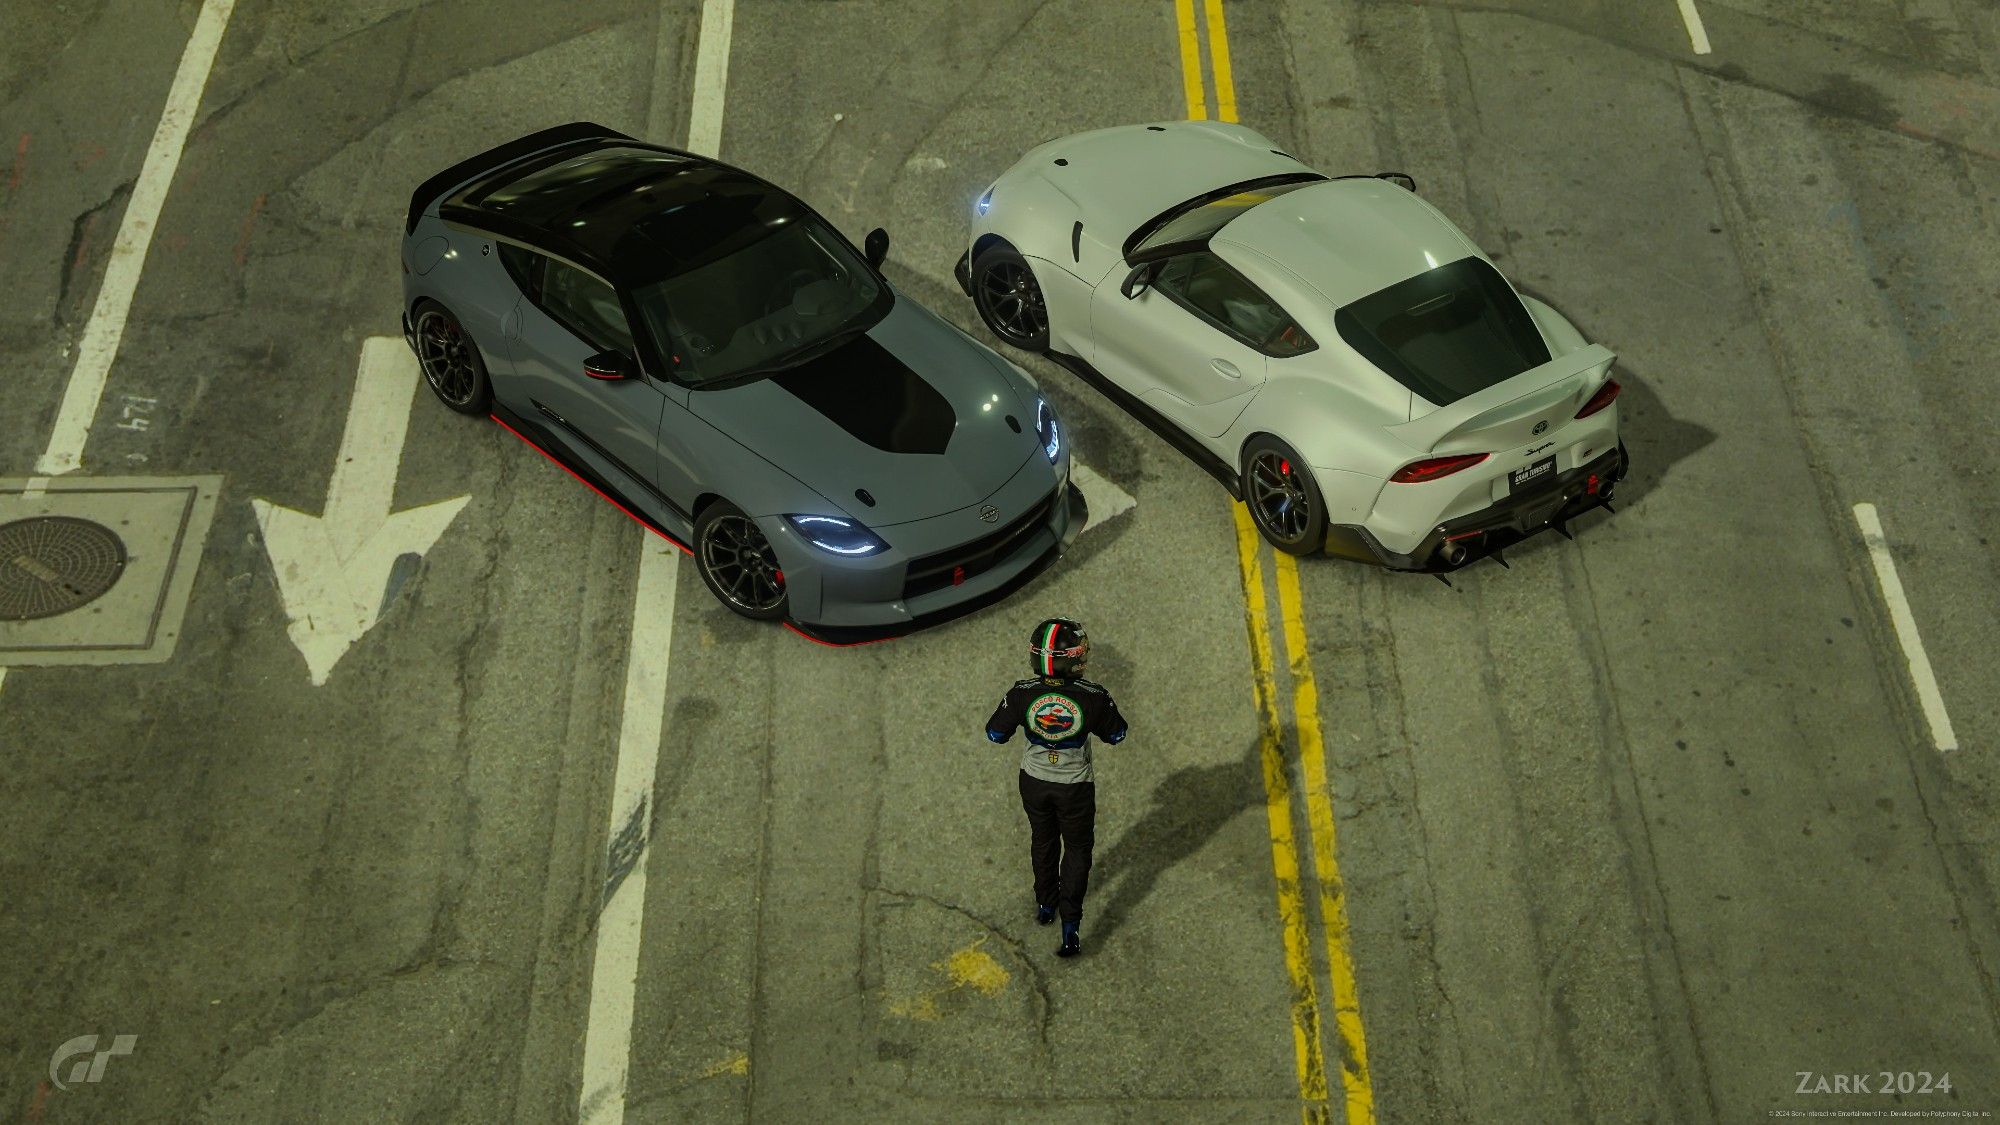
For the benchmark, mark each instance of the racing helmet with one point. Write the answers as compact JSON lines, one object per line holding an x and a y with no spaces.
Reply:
{"x":1058,"y":649}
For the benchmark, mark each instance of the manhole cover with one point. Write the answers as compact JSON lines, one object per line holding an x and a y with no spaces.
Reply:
{"x":53,"y":564}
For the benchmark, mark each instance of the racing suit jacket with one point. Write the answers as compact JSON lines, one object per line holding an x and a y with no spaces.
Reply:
{"x":1059,"y":718}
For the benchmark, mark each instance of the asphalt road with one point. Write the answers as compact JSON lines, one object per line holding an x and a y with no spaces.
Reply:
{"x":1648,"y":827}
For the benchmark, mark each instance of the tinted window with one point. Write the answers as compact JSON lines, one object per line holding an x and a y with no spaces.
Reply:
{"x":588,"y":307}
{"x":1445,"y":333}
{"x":1206,"y":284}
{"x":768,"y":305}
{"x":524,"y":266}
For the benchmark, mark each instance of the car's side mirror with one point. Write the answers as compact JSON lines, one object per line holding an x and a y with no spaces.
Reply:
{"x":609,"y":366}
{"x":1400,"y":179}
{"x":876,"y":247}
{"x":1140,"y":278}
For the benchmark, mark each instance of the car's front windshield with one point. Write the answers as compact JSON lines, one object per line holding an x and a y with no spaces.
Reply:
{"x":1192,"y":223}
{"x":776,"y":301}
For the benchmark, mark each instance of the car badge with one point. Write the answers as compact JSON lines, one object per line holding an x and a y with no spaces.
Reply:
{"x":1541,"y":428}
{"x":989,"y":513}
{"x":958,"y":576}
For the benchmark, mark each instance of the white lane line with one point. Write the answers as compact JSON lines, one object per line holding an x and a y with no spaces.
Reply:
{"x":1697,"y":34}
{"x":711,"y":77}
{"x":1906,"y":628}
{"x":614,"y":972}
{"x":135,"y":235}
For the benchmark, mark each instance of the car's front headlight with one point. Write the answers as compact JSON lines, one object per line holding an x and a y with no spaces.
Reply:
{"x":837,"y":535}
{"x":985,"y":201}
{"x":1047,"y":429}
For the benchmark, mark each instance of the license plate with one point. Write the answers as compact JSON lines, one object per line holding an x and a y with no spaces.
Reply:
{"x":1541,"y":472}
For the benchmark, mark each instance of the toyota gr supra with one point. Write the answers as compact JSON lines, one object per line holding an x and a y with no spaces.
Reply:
{"x":1333,"y":349}
{"x":706,"y":350}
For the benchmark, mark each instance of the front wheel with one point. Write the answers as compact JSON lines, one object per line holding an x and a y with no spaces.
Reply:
{"x":1008,"y":299}
{"x":737,"y":563}
{"x":1284,"y":499}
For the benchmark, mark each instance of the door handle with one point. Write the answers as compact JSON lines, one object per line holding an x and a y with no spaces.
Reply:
{"x":1225,"y":369}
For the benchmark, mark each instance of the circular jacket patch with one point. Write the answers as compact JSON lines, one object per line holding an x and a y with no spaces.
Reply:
{"x":1054,"y":716}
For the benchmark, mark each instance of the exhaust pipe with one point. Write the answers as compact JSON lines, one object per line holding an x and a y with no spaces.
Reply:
{"x":1450,"y":553}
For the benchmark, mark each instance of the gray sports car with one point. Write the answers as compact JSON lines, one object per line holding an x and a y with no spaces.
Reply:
{"x":717,"y":359}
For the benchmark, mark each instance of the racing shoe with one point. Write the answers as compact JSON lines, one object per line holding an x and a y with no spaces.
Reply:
{"x":1072,"y":940}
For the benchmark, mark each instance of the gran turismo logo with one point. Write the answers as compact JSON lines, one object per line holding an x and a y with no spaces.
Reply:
{"x":87,"y":1069}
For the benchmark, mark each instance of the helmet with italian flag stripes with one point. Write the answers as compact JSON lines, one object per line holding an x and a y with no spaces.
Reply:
{"x":1058,"y":649}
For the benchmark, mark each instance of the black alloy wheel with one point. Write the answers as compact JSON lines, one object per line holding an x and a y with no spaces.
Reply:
{"x":1008,"y":299}
{"x":1284,"y":500}
{"x":450,"y":361}
{"x":737,"y":563}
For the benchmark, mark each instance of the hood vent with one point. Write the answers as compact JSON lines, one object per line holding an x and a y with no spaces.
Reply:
{"x":861,"y":494}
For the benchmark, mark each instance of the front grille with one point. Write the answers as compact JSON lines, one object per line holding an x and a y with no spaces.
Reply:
{"x":948,"y":568}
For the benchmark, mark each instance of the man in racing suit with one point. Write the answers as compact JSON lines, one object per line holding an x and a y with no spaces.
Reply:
{"x":1060,"y":712}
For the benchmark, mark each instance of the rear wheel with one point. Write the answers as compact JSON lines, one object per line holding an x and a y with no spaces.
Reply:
{"x":1008,"y":299}
{"x":450,"y":360}
{"x":1284,"y":499}
{"x":737,"y":563}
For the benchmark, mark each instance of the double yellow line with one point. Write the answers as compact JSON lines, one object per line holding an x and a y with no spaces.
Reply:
{"x":1358,"y":1096}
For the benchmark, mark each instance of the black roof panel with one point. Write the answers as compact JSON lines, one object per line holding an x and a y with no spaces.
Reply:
{"x":635,"y":213}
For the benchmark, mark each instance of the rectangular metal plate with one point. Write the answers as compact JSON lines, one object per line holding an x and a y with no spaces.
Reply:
{"x":163,"y":522}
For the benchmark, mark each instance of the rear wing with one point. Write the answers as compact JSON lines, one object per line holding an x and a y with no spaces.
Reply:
{"x":494,"y":159}
{"x":1531,"y":392}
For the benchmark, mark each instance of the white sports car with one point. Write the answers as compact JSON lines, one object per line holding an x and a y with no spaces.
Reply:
{"x":1333,"y":349}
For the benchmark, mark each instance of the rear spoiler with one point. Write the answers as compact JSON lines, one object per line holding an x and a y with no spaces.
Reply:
{"x":494,"y":159}
{"x":1530,"y":392}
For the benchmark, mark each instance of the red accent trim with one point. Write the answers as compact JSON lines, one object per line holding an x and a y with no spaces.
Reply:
{"x":602,"y":378}
{"x":1603,"y":398}
{"x":1463,"y":535}
{"x":834,"y":644}
{"x":600,"y":492}
{"x":656,"y":531}
{"x":1431,"y":468}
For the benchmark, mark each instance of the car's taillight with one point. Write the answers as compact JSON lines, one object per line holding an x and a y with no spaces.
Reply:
{"x":1431,"y":468}
{"x":1601,"y":399}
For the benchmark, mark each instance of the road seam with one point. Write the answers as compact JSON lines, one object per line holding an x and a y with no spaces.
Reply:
{"x":1355,"y":1079}
{"x":1308,"y":1054}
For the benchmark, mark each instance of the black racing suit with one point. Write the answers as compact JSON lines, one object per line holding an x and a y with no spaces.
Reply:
{"x":1058,"y":790}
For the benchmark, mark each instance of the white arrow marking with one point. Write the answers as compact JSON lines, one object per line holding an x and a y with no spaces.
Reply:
{"x":1103,"y":499}
{"x":334,"y":569}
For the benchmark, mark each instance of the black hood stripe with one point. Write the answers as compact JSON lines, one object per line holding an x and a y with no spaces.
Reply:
{"x":864,"y":389}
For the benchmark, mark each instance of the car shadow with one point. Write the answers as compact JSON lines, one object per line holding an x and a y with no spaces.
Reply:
{"x":1189,"y":807}
{"x":1655,"y":439}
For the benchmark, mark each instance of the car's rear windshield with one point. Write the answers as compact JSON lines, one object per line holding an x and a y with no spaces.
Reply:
{"x":1446,"y":333}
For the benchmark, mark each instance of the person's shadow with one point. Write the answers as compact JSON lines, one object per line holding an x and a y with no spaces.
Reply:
{"x":1189,"y":806}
